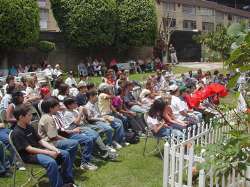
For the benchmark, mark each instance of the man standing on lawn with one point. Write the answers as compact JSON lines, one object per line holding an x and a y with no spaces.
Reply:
{"x":173,"y":56}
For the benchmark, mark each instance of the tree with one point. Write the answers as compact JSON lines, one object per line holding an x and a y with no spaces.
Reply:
{"x":218,"y":41}
{"x":88,"y":23}
{"x":137,"y":22}
{"x":19,"y":23}
{"x":101,"y":23}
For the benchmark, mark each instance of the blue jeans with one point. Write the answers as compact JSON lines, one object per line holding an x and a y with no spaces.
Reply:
{"x":119,"y":130}
{"x":164,"y":132}
{"x":104,"y":128}
{"x":4,"y":137}
{"x":56,"y":178}
{"x":138,"y":109}
{"x":86,"y":143}
{"x":68,"y":145}
{"x":4,"y":163}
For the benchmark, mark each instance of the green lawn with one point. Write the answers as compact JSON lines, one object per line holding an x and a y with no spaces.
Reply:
{"x":144,"y":76}
{"x":130,"y":170}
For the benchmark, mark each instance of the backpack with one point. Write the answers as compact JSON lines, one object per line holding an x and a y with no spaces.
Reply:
{"x":132,"y":137}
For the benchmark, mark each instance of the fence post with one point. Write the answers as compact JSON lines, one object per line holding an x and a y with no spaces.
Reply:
{"x":190,"y":164}
{"x":166,"y":165}
{"x":181,"y":159}
{"x":202,"y":178}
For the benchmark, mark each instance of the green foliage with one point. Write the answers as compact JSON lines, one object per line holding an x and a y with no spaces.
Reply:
{"x":218,"y":41}
{"x":137,"y":22}
{"x":19,"y":23}
{"x":98,"y":23}
{"x":88,"y":23}
{"x":232,"y":149}
{"x":46,"y":46}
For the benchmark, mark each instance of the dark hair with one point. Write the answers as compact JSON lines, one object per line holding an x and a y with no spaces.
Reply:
{"x":49,"y":103}
{"x":15,"y":97}
{"x":216,"y":72}
{"x":9,"y":78}
{"x":21,"y":110}
{"x":58,"y":83}
{"x":91,"y":93}
{"x":90,"y":86}
{"x":69,"y":101}
{"x":157,"y":107}
{"x":10,"y":89}
{"x":63,"y":88}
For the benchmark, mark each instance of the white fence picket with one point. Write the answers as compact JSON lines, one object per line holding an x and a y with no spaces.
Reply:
{"x":177,"y":163}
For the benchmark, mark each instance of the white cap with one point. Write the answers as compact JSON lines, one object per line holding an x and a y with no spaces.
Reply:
{"x":173,"y":87}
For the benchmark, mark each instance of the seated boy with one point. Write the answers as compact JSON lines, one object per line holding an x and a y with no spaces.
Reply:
{"x":48,"y":131}
{"x":74,"y":118}
{"x":106,"y":111}
{"x":95,"y":118}
{"x":33,"y":149}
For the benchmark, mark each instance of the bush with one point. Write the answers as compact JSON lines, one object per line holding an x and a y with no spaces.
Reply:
{"x":88,"y":23}
{"x":19,"y":23}
{"x":137,"y":22}
{"x":46,"y":46}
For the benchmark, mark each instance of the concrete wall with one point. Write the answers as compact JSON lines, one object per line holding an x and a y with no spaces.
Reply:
{"x":70,"y":57}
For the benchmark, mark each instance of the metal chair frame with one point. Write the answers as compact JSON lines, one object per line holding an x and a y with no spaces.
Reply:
{"x":33,"y":176}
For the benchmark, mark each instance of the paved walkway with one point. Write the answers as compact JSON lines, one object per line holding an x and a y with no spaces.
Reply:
{"x":202,"y":65}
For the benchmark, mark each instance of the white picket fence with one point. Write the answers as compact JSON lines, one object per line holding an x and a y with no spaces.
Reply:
{"x":180,"y":158}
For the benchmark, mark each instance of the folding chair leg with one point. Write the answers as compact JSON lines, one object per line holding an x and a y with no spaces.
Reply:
{"x":14,"y":176}
{"x":145,"y":145}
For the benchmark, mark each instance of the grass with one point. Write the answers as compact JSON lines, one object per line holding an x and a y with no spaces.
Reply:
{"x":144,"y":76}
{"x":131,"y":169}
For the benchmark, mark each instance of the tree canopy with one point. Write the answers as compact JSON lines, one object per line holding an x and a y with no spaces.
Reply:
{"x":98,"y":23}
{"x":137,"y":22}
{"x":86,"y":23}
{"x":19,"y":23}
{"x":218,"y":41}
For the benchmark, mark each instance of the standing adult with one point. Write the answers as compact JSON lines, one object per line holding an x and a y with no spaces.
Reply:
{"x":173,"y":56}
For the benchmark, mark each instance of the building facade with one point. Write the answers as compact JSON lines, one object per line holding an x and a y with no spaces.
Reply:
{"x":47,"y":20}
{"x":197,"y":15}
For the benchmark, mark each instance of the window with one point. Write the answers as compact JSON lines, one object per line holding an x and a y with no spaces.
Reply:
{"x":170,"y":7}
{"x":189,"y":24}
{"x":229,"y":17}
{"x":207,"y":26}
{"x":170,"y":22}
{"x":43,"y":19}
{"x":219,"y":16}
{"x":190,"y":10}
{"x":206,"y":12}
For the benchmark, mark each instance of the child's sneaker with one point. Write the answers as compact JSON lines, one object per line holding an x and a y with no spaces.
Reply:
{"x":88,"y":166}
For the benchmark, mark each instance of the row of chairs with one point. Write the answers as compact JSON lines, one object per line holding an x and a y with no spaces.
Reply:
{"x":34,"y":174}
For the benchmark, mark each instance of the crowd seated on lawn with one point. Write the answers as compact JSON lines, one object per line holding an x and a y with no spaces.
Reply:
{"x":97,"y":117}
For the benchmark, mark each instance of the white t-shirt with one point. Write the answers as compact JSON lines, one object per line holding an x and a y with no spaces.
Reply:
{"x":55,"y":92}
{"x":5,"y":102}
{"x":177,"y":106}
{"x":31,"y":91}
{"x":48,"y":72}
{"x":70,"y":81}
{"x":104,"y":104}
{"x":152,"y":122}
